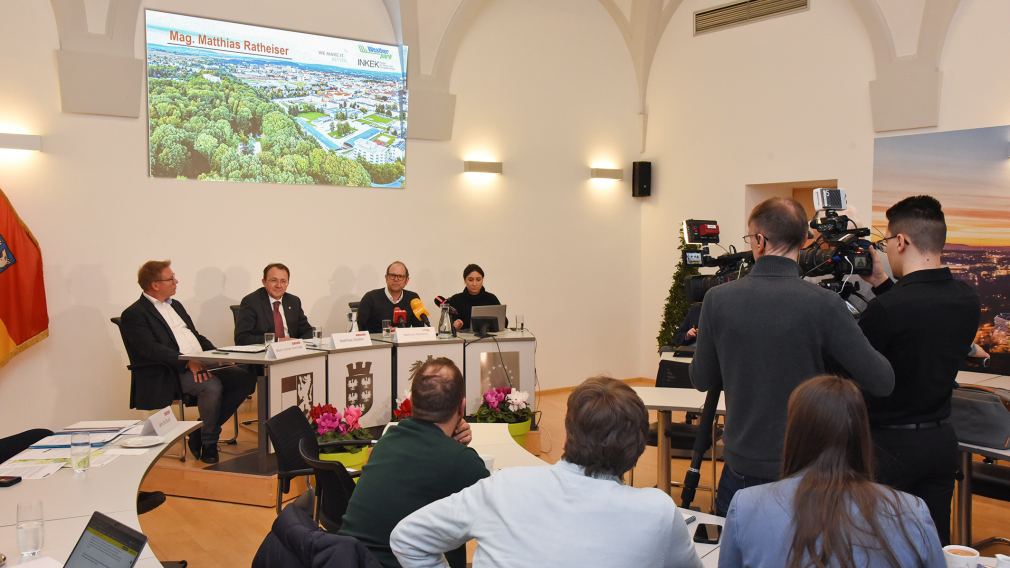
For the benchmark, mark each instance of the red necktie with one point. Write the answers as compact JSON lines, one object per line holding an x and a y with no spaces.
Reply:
{"x":278,"y":322}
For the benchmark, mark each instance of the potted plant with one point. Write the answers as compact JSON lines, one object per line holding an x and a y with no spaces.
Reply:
{"x":508,"y":405}
{"x":403,"y":410}
{"x":332,"y":426}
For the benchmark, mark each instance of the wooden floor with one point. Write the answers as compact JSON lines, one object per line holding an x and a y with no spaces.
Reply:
{"x":215,"y":534}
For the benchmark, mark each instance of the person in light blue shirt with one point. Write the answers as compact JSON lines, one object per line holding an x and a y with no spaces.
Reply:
{"x":827,"y":511}
{"x":573,"y":513}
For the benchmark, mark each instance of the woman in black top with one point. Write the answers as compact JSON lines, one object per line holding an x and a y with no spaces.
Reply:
{"x":473,"y":295}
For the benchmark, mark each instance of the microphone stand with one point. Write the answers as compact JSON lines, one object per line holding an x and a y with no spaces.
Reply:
{"x":702,"y":443}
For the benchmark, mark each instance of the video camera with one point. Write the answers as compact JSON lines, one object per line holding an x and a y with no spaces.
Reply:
{"x":838,"y":251}
{"x":731,"y":265}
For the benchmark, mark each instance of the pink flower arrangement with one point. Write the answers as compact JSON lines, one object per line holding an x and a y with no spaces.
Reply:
{"x":330,"y":425}
{"x":504,"y":404}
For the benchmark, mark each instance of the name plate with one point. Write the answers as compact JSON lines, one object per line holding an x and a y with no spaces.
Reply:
{"x":285,"y":349}
{"x":160,"y":423}
{"x":413,"y":334}
{"x":351,"y":339}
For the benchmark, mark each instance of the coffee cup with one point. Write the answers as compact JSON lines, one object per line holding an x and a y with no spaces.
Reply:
{"x":1002,"y":561}
{"x":958,"y":556}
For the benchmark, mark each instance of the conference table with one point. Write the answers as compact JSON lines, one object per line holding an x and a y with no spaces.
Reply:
{"x":493,"y":440}
{"x":962,"y":513}
{"x":68,"y":500}
{"x":665,"y":401}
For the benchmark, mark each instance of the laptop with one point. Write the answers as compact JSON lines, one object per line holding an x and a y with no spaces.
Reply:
{"x":490,"y":311}
{"x":106,"y":543}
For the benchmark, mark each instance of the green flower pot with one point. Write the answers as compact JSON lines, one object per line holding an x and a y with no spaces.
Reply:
{"x":350,"y":460}
{"x":519,"y":431}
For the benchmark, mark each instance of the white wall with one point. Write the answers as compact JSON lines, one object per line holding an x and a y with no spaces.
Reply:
{"x":781,"y":100}
{"x":547,"y":95}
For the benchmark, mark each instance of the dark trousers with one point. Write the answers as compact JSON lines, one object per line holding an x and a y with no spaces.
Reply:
{"x":729,"y":483}
{"x":923,"y":463}
{"x":218,"y":397}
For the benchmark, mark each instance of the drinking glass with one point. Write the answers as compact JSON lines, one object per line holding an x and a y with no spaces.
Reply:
{"x":268,"y":338}
{"x":30,"y":528}
{"x":80,"y":452}
{"x":520,"y":322}
{"x":387,"y":328}
{"x":317,"y":336}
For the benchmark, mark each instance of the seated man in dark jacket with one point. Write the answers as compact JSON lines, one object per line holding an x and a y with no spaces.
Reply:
{"x":271,"y":309}
{"x":417,"y":462}
{"x":378,"y":305}
{"x":157,"y":330}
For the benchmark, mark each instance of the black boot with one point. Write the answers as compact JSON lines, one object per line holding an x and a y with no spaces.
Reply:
{"x":209,"y":454}
{"x":196,"y":444}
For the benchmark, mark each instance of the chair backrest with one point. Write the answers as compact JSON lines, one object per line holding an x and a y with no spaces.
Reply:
{"x":234,"y":312}
{"x":14,"y":445}
{"x":126,"y":341}
{"x":334,"y":485}
{"x":295,"y":540}
{"x":285,"y":431}
{"x":673,"y":374}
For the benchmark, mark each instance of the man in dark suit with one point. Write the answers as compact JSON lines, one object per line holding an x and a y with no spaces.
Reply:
{"x":157,"y":330}
{"x":271,"y":310}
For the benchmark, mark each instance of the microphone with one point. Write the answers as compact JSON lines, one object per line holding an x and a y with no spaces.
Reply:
{"x":399,"y":317}
{"x":441,"y":302}
{"x":420,"y":312}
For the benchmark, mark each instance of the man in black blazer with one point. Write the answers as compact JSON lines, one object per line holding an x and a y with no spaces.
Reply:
{"x":157,"y":330}
{"x":258,"y":315}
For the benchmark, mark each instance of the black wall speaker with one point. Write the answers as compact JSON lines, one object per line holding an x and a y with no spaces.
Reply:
{"x":641,"y":179}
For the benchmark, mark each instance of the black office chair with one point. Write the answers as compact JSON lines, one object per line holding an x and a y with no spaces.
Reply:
{"x":295,"y":540}
{"x":14,"y":445}
{"x":993,"y":481}
{"x":334,"y":485}
{"x":184,"y":400}
{"x":234,"y":316}
{"x":285,"y":431}
{"x":673,"y":374}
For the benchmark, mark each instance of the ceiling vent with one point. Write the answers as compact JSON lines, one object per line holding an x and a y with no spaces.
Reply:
{"x":744,"y":12}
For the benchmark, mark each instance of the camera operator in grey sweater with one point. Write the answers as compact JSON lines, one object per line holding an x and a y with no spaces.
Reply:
{"x":761,"y":336}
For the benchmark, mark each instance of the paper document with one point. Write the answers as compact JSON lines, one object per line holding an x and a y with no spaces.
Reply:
{"x":243,"y":348}
{"x":32,"y":454}
{"x":100,"y":425}
{"x":30,"y":470}
{"x":62,"y":440}
{"x":126,"y":451}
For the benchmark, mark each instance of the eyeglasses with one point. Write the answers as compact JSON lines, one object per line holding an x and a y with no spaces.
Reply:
{"x":754,"y":236}
{"x":276,"y":281}
{"x":172,"y":279}
{"x":881,"y":245}
{"x":396,"y":276}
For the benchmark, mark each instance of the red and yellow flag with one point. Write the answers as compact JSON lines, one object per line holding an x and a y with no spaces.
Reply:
{"x":24,"y":320}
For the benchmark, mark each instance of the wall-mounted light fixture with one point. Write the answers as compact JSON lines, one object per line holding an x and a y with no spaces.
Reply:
{"x":20,"y":141}
{"x":606,"y":173}
{"x":482,"y":167}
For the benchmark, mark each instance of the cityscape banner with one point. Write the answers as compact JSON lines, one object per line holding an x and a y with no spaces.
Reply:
{"x":236,"y":102}
{"x":969,"y":173}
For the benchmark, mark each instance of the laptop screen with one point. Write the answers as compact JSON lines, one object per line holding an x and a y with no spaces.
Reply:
{"x":106,"y":543}
{"x":490,"y":311}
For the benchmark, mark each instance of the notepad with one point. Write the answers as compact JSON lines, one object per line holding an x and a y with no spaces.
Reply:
{"x":243,"y":349}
